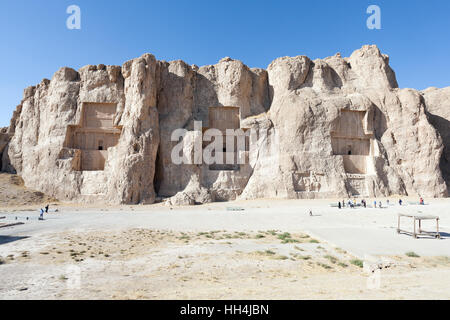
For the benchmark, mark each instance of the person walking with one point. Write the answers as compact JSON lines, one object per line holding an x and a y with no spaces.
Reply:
{"x":339,"y":205}
{"x":46,"y":208}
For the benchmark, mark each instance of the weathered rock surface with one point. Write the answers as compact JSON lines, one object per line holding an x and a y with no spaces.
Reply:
{"x":438,"y":107}
{"x":333,"y":127}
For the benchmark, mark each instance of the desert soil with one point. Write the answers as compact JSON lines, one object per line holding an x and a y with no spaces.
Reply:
{"x":271,"y":249}
{"x":13,"y":192}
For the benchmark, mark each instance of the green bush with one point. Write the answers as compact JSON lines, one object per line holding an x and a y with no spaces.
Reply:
{"x":357,"y":262}
{"x":412,"y":254}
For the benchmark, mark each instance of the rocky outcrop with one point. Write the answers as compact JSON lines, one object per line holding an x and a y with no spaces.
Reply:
{"x":4,"y":140}
{"x":437,"y":103}
{"x":309,"y":98}
{"x":333,"y":127}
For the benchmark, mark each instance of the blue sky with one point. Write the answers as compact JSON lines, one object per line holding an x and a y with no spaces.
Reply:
{"x":36,"y":43}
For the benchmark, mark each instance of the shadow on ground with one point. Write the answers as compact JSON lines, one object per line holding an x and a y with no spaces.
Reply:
{"x":8,"y":239}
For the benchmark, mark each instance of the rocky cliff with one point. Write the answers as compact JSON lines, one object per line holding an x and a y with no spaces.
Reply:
{"x":437,"y":103}
{"x":333,"y":127}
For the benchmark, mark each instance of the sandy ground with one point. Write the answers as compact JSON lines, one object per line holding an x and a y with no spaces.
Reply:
{"x":273,"y":249}
{"x":13,"y":193}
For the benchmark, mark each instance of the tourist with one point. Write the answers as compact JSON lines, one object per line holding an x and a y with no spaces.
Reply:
{"x":387,"y":201}
{"x":339,"y":205}
{"x":379,"y":204}
{"x":310,"y":213}
{"x":375,"y":203}
{"x":343,"y":203}
{"x":421,"y":201}
{"x":46,"y":208}
{"x":400,"y":202}
{"x":41,"y":216}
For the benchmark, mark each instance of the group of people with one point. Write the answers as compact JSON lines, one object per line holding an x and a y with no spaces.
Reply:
{"x":41,"y":215}
{"x":353,"y":204}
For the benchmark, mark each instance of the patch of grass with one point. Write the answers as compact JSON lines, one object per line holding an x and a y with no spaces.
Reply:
{"x":299,"y":256}
{"x":63,"y":278}
{"x":341,"y":250}
{"x":335,"y":260}
{"x":298,"y":248}
{"x":283,"y":236}
{"x":2,"y":261}
{"x":259,"y":236}
{"x":290,"y":240}
{"x":281,"y":257}
{"x":324,"y":265}
{"x":266,"y":253}
{"x":357,"y":262}
{"x":412,"y":254}
{"x":314,"y":241}
{"x":332,"y":259}
{"x":287,"y":238}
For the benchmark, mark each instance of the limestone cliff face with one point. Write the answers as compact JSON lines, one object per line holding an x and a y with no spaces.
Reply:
{"x":437,"y":103}
{"x":311,"y":97}
{"x":37,"y":150}
{"x":333,"y":127}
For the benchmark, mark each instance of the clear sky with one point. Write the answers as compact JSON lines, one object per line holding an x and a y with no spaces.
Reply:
{"x":36,"y":42}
